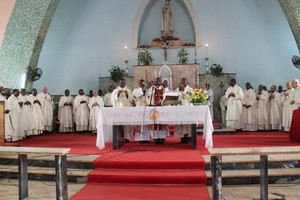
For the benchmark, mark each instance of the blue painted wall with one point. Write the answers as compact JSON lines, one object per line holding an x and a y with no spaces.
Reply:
{"x":249,"y":37}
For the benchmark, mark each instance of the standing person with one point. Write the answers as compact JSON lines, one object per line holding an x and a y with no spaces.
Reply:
{"x":142,"y":133}
{"x":26,"y":113}
{"x":81,"y":111}
{"x":15,"y":116}
{"x":47,"y":109}
{"x":209,"y":95}
{"x":122,"y":97}
{"x":155,"y":97}
{"x":223,"y":105}
{"x":295,"y":102}
{"x":235,"y":97}
{"x":95,"y":103}
{"x":65,"y":112}
{"x":287,"y":108}
{"x":262,"y":98}
{"x":8,"y":128}
{"x":167,"y":19}
{"x":107,"y":97}
{"x":275,"y":109}
{"x":37,"y":114}
{"x":248,"y":113}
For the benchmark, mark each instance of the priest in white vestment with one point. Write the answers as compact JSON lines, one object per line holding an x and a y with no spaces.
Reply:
{"x":275,"y":109}
{"x":223,"y":105}
{"x":122,"y":97}
{"x":95,"y":104}
{"x":248,"y":113}
{"x":107,"y":97}
{"x":295,"y":102}
{"x":234,"y":106}
{"x":287,"y":108}
{"x":26,"y":113}
{"x":184,"y":131}
{"x":65,"y":112}
{"x":209,"y":95}
{"x":81,"y":111}
{"x":8,"y":129}
{"x":47,"y":109}
{"x":37,"y":114}
{"x":142,"y":133}
{"x":263,"y":109}
{"x":15,"y":116}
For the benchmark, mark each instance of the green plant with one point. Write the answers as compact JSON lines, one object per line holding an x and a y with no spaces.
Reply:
{"x":216,"y":70}
{"x":183,"y":55}
{"x":145,"y":57}
{"x":116,"y":73}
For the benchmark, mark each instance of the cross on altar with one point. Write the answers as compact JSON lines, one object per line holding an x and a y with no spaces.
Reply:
{"x":165,"y":46}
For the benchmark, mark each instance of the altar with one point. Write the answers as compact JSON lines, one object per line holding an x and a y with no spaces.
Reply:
{"x":110,"y":119}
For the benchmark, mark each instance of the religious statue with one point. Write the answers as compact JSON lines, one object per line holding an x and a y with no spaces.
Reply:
{"x":167,"y":19}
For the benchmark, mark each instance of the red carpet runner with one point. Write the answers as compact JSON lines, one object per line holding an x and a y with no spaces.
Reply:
{"x":148,"y":171}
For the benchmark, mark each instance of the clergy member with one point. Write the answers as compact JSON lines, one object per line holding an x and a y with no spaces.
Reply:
{"x":81,"y":111}
{"x":249,"y":110}
{"x":122,"y":97}
{"x":15,"y":116}
{"x":287,"y":108}
{"x":263,"y":110}
{"x":95,"y":103}
{"x":26,"y":113}
{"x":234,"y":106}
{"x":47,"y":109}
{"x":107,"y":97}
{"x":37,"y":114}
{"x":65,"y":112}
{"x":275,"y":109}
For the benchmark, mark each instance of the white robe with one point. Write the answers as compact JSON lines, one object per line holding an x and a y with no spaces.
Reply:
{"x":37,"y":115}
{"x":107,"y":100}
{"x":26,"y":115}
{"x":209,"y":95}
{"x":81,"y":113}
{"x":94,"y":111}
{"x":123,"y":101}
{"x":15,"y":117}
{"x":8,"y":128}
{"x":275,"y":111}
{"x":234,"y":107}
{"x":223,"y":105}
{"x":248,"y":114}
{"x":47,"y":110}
{"x":263,"y":111}
{"x":287,"y":110}
{"x":65,"y":114}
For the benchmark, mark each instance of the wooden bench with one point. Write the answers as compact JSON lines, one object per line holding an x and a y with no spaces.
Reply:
{"x":60,"y":167}
{"x":263,"y":152}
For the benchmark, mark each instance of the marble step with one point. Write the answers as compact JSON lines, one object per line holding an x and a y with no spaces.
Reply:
{"x":74,"y":160}
{"x":44,"y":173}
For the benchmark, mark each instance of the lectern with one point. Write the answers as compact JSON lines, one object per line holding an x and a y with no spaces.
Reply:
{"x":2,"y":123}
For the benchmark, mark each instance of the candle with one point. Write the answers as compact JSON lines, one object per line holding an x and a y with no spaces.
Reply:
{"x":125,"y":48}
{"x":206,"y":51}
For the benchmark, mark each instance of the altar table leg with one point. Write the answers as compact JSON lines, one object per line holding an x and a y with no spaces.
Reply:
{"x":216,"y":172}
{"x":264,"y":177}
{"x":194,"y":136}
{"x":118,"y":136}
{"x":23,"y":176}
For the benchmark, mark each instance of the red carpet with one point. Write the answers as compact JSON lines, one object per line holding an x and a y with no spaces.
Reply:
{"x":80,"y":143}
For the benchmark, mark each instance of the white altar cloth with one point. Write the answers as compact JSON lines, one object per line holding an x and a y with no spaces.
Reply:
{"x":109,"y":116}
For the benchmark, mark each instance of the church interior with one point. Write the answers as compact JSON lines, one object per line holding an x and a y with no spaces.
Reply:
{"x":76,"y":44}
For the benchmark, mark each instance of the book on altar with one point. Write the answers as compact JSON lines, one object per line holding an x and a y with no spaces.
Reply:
{"x":171,"y":98}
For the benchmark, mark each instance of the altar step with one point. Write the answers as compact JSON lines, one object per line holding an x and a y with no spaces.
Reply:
{"x":243,"y":170}
{"x":43,"y":167}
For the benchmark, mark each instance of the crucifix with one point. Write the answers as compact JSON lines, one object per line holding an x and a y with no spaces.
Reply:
{"x":165,"y":46}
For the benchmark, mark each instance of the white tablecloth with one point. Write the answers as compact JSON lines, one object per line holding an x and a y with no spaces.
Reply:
{"x":109,"y":116}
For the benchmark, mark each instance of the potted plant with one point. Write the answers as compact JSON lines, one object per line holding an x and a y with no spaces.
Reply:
{"x":145,"y":57}
{"x":216,"y":70}
{"x":183,"y":55}
{"x":116,"y":73}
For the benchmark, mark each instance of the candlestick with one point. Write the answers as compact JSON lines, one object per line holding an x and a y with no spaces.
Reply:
{"x":125,"y":48}
{"x":206,"y":51}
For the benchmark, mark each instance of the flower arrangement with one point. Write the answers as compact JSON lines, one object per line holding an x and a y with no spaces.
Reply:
{"x":197,"y":96}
